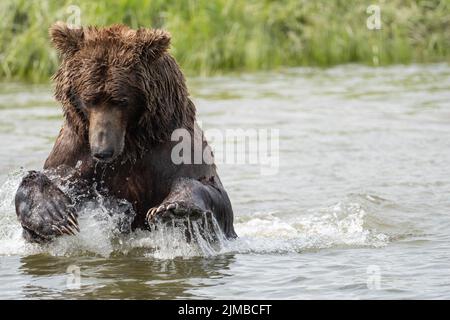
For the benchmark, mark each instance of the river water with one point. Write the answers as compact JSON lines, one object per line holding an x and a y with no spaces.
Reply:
{"x":357,"y":205}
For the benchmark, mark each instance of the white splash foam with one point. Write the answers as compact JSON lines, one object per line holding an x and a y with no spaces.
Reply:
{"x":272,"y":232}
{"x":337,"y":226}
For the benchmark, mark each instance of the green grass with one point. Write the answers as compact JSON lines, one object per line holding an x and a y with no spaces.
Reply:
{"x":215,"y":36}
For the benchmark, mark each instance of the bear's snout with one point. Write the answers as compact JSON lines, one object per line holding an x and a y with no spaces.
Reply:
{"x":106,"y":135}
{"x":104,"y":155}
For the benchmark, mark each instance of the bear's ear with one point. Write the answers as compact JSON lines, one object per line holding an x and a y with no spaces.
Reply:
{"x":152,"y":43}
{"x":66,"y":40}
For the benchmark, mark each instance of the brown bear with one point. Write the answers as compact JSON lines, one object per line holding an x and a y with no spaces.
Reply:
{"x":123,"y":95}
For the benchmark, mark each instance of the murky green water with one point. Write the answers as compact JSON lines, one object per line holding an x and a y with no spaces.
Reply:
{"x":359,"y":207}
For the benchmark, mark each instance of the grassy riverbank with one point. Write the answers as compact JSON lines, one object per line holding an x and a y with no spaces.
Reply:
{"x":213,"y":36}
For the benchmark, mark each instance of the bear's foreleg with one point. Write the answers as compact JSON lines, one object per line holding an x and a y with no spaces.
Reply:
{"x":194,"y":200}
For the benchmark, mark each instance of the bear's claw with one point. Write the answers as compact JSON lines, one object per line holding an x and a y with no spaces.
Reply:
{"x":175,"y":210}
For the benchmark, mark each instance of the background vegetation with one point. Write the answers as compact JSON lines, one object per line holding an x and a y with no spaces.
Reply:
{"x":211,"y":36}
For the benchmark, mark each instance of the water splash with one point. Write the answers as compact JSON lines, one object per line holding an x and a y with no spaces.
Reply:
{"x":103,"y":221}
{"x":341,"y":225}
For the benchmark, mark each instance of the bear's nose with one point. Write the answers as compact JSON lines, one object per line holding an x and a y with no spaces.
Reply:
{"x":104,"y":155}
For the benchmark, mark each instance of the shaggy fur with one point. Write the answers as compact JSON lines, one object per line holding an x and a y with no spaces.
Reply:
{"x":111,"y":57}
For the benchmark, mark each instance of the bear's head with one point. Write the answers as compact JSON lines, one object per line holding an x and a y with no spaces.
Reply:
{"x":120,"y":89}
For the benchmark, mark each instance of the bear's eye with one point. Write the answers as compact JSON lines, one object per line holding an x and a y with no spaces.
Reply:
{"x":92,"y":101}
{"x":123,"y":102}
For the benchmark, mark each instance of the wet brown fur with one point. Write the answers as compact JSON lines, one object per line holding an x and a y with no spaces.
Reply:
{"x":100,"y":63}
{"x":105,"y":64}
